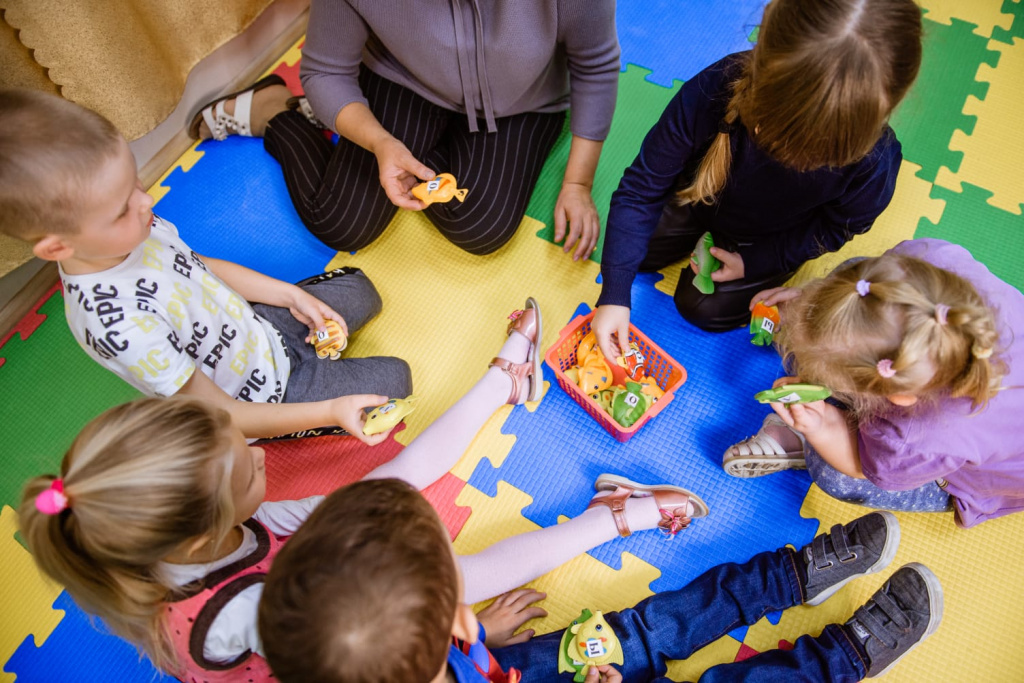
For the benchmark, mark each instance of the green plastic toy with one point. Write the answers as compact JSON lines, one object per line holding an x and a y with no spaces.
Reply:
{"x":706,"y":264}
{"x":589,"y":641}
{"x":629,"y":406}
{"x":791,"y":394}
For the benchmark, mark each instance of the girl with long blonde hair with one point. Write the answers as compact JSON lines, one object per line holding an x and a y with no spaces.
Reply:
{"x":782,"y":153}
{"x":920,"y":346}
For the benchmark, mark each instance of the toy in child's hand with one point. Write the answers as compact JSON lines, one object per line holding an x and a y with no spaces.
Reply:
{"x":589,"y":641}
{"x":791,"y":394}
{"x":330,"y":341}
{"x":384,"y":417}
{"x":706,"y":264}
{"x":633,"y":362}
{"x":629,"y":406}
{"x":764,"y":323}
{"x":443,"y":188}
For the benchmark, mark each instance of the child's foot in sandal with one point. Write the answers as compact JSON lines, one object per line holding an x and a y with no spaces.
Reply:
{"x":520,"y":358}
{"x":244,"y":113}
{"x":774,"y":448}
{"x":674,"y":506}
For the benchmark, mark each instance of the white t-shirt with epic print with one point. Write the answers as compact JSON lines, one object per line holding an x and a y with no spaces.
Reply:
{"x":161,"y":313}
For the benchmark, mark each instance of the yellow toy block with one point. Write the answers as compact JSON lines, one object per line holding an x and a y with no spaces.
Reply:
{"x":454,"y":330}
{"x":26,"y":596}
{"x":984,"y":14}
{"x":992,"y":153}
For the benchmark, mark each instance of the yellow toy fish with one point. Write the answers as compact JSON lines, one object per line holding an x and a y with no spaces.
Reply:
{"x":440,"y":189}
{"x":329,"y":342}
{"x":588,"y":642}
{"x":586,"y":348}
{"x":382,"y":418}
{"x":595,"y":375}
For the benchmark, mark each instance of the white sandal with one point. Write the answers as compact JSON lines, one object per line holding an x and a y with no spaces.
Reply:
{"x":223,"y":124}
{"x":762,"y":454}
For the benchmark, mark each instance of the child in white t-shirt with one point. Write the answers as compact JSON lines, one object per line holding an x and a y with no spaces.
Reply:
{"x":144,"y":305}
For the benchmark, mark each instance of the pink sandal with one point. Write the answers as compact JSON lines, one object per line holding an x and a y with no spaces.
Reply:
{"x":672,"y":502}
{"x":526,"y":322}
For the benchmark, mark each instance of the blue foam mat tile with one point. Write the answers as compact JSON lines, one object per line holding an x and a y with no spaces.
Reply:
{"x":675,"y":40}
{"x":233,"y":204}
{"x":78,"y":651}
{"x":682,"y":445}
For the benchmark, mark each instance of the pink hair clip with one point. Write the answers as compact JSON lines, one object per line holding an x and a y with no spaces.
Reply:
{"x":885,"y":368}
{"x":941,"y":311}
{"x":863,"y":287}
{"x":52,"y":501}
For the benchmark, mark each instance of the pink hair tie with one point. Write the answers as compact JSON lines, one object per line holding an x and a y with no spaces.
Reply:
{"x":863,"y":287}
{"x":885,"y":368}
{"x":52,"y":501}
{"x":941,"y":310}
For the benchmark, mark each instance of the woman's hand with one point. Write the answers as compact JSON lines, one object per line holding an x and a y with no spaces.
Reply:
{"x":507,"y":613}
{"x":775,"y":296}
{"x":312,"y":312}
{"x":732,"y":265}
{"x":611,"y":328}
{"x":575,"y":209}
{"x":349,"y":414}
{"x":400,"y":171}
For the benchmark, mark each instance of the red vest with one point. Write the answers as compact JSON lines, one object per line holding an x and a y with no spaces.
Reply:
{"x":192,"y":613}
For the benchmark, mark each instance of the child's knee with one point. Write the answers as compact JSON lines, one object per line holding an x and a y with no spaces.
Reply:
{"x":399,"y":378}
{"x":707,"y":314}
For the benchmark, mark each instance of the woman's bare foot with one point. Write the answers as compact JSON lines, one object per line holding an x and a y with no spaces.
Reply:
{"x":266,"y":104}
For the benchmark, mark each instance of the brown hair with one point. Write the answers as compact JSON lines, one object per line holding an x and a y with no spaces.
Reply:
{"x":142,"y":479}
{"x":366,"y":590}
{"x":50,"y":148}
{"x":931,"y":325}
{"x":819,"y":86}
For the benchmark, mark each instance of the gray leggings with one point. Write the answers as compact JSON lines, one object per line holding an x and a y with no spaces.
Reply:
{"x":928,"y":498}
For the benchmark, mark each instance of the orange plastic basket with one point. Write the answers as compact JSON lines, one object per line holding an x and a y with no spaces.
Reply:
{"x":669,"y":374}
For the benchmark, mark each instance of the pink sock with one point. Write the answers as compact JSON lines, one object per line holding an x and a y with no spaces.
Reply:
{"x":439,"y":446}
{"x":514,"y":561}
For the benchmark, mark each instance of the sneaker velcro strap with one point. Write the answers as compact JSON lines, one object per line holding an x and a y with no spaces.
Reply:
{"x":840,"y":545}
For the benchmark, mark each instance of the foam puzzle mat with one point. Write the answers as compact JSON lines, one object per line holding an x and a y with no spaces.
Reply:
{"x":533,"y":466}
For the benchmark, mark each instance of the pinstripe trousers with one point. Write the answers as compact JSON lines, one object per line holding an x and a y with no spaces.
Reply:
{"x":336,"y":188}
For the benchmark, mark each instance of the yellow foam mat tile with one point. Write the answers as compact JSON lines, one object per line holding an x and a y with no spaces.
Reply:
{"x":980,"y":574}
{"x":994,"y":150}
{"x":27,"y":597}
{"x":445,"y":310}
{"x":583,"y":582}
{"x":910,"y":203}
{"x":984,"y":14}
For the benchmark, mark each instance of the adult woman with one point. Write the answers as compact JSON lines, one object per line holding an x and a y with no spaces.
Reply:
{"x":414,"y":88}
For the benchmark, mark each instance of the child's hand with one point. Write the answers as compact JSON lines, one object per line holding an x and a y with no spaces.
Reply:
{"x":611,"y":328}
{"x":789,"y":379}
{"x":815,"y":420}
{"x":400,"y":171}
{"x":348,"y":412}
{"x":312,"y":312}
{"x":606,"y":673}
{"x":732,"y":265}
{"x":775,"y":296}
{"x":507,"y":613}
{"x":575,"y":207}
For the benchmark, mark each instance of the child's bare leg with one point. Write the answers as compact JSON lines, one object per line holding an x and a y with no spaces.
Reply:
{"x":439,"y":447}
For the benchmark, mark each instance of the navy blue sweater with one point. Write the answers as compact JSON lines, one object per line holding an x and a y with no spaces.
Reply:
{"x":779,"y":217}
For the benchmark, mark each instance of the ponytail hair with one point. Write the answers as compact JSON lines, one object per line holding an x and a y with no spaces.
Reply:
{"x":141,"y":480}
{"x":894,"y":325}
{"x":819,"y":86}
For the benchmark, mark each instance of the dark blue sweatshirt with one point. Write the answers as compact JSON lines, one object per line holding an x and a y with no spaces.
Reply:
{"x":779,"y":217}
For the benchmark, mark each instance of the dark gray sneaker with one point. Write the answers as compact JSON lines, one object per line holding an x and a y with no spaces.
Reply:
{"x":863,"y":546}
{"x":902,"y":613}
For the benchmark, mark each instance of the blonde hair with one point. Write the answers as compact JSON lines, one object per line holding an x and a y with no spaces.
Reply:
{"x":893,"y":325}
{"x":50,"y":149}
{"x":819,"y":86}
{"x":142,"y":479}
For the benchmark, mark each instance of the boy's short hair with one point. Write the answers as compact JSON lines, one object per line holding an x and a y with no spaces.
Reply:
{"x":366,"y":590}
{"x":49,"y":149}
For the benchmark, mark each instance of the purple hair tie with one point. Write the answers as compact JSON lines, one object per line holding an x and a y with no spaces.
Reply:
{"x":52,"y":501}
{"x":941,"y":311}
{"x":863,"y":287}
{"x":885,"y":368}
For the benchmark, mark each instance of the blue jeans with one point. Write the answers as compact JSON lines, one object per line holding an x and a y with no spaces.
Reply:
{"x":675,"y":624}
